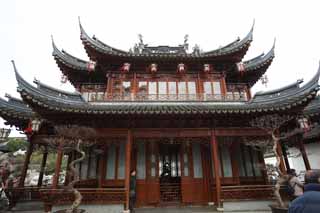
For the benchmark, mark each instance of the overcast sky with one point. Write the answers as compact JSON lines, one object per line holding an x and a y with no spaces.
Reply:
{"x":26,"y":27}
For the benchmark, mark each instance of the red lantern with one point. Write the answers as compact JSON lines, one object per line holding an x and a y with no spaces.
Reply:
{"x":125,"y":67}
{"x":91,"y":66}
{"x":207,"y":68}
{"x":28,"y":130}
{"x":304,"y":124}
{"x":153,"y":68}
{"x":181,"y":68}
{"x":241,"y":67}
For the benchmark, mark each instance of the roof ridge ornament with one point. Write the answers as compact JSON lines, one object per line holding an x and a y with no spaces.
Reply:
{"x":185,"y":42}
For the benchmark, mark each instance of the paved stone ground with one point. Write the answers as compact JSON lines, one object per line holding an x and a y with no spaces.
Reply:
{"x":188,"y":210}
{"x":37,"y":208}
{"x":167,"y":210}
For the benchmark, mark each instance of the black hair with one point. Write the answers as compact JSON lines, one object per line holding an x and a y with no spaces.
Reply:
{"x":291,"y":171}
{"x":312,"y":176}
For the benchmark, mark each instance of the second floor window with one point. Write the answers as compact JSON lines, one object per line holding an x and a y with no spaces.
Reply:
{"x":212,"y":87}
{"x":165,"y":89}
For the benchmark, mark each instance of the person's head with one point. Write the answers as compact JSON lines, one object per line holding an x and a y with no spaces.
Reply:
{"x":292,"y":172}
{"x":312,"y":176}
{"x":133,"y":172}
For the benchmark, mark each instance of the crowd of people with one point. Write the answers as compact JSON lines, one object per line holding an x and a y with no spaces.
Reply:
{"x":305,"y":197}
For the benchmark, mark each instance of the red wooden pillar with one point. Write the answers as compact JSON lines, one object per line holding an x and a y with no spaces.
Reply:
{"x":282,"y":164}
{"x":216,"y":165}
{"x":304,"y":155}
{"x":234,"y":162}
{"x":285,"y":156}
{"x":55,"y":180}
{"x":43,"y":165}
{"x":26,"y":164}
{"x":127,"y":172}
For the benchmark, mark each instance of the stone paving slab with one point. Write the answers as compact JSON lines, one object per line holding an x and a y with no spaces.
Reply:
{"x":188,"y":210}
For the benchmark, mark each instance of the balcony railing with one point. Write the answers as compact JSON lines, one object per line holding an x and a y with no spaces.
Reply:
{"x":102,"y":97}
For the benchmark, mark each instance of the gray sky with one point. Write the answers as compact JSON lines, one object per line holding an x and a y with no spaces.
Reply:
{"x":26,"y":27}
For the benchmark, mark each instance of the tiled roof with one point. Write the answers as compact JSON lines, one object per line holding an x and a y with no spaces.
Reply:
{"x":280,"y":100}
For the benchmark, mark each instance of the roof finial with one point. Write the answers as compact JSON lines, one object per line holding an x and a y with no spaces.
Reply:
{"x":82,"y":32}
{"x":140,"y":39}
{"x":53,"y":44}
{"x":14,"y":66}
{"x":185,"y":42}
{"x":274,"y":42}
{"x":79,"y":21}
{"x":254,"y":21}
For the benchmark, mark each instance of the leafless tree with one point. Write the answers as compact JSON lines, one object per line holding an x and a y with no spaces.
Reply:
{"x":271,"y":124}
{"x":71,"y":138}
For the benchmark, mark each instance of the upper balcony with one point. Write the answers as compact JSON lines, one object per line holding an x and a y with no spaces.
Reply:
{"x":161,"y":90}
{"x":127,"y":97}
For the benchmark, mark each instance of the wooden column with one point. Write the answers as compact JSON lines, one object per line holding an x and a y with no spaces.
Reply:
{"x":234,"y":161}
{"x":304,"y":155}
{"x":127,"y":172}
{"x":26,"y":164}
{"x":43,"y":166}
{"x":285,"y":156}
{"x":282,"y":164}
{"x":55,"y":180}
{"x":216,"y":165}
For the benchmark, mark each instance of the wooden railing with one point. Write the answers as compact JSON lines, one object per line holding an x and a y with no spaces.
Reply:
{"x":30,"y":193}
{"x":102,"y":97}
{"x":244,"y":192}
{"x":89,"y":196}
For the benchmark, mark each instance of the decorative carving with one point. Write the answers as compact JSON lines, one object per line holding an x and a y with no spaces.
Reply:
{"x":264,"y":80}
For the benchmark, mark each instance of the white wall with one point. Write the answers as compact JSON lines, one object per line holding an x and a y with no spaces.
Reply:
{"x":313,"y":152}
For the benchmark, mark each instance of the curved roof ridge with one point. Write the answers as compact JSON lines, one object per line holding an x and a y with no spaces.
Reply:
{"x":254,"y":59}
{"x":289,"y":90}
{"x":291,"y":86}
{"x":260,"y":60}
{"x":231,"y":44}
{"x":234,"y":45}
{"x":313,"y":107}
{"x":55,"y":90}
{"x":17,"y":102}
{"x":99,"y":46}
{"x":67,"y":58}
{"x":47,"y":91}
{"x":85,"y":37}
{"x":11,"y":105}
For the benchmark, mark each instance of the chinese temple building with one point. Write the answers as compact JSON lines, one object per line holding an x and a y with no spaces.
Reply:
{"x":180,"y":119}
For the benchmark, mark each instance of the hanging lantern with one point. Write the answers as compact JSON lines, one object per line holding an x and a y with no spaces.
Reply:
{"x":35,"y":124}
{"x":241,"y":67}
{"x":91,"y":66}
{"x":153,"y":68}
{"x":181,"y":68}
{"x":125,"y":67}
{"x":63,"y":79}
{"x":28,"y":130}
{"x":304,"y":124}
{"x":207,"y":68}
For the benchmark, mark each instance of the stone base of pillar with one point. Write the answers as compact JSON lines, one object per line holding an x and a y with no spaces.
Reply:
{"x":220,"y":209}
